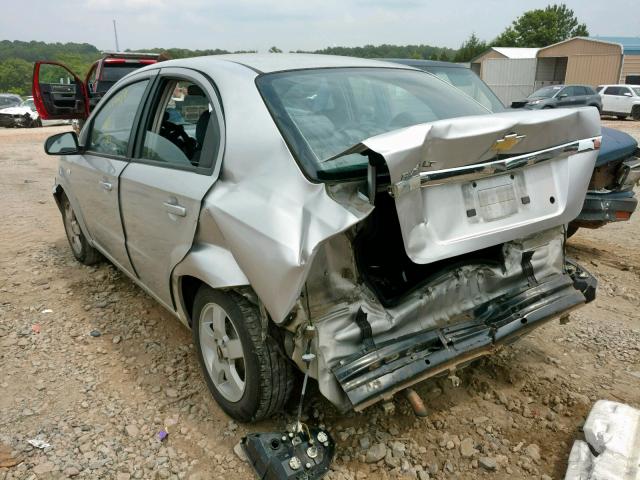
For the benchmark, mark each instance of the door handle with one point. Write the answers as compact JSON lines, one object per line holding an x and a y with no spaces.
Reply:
{"x":105,"y":185}
{"x":175,"y":209}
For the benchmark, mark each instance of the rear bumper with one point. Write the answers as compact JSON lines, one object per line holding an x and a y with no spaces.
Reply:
{"x":602,"y":208}
{"x":378,"y":373}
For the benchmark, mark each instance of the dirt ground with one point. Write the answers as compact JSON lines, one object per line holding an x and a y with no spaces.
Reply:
{"x":100,"y":401}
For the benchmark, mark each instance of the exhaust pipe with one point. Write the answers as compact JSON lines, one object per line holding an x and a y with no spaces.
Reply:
{"x":416,"y":402}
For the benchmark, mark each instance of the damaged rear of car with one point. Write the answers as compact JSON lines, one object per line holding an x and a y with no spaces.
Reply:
{"x":461,"y":246}
{"x":365,"y":221}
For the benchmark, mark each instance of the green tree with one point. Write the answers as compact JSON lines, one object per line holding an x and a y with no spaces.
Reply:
{"x":542,"y":27}
{"x":444,"y":56}
{"x":15,"y":76}
{"x":470,"y":48}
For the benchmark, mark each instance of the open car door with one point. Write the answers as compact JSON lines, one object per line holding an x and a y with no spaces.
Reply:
{"x":58,"y":93}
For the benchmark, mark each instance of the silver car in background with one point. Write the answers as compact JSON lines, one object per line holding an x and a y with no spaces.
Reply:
{"x":360,"y":220}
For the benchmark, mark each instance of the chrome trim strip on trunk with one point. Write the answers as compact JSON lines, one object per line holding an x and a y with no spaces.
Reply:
{"x":497,"y":167}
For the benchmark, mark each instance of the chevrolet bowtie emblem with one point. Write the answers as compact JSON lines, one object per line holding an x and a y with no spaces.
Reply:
{"x":507,"y":142}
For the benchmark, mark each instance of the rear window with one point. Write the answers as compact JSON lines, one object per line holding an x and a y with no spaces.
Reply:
{"x":323,"y":112}
{"x":112,"y":72}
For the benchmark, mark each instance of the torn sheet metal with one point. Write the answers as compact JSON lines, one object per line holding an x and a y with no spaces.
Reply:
{"x":612,"y":447}
{"x":335,"y":296}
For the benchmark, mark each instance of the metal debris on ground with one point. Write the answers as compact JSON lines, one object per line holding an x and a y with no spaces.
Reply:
{"x":299,"y":453}
{"x":95,"y":333}
{"x":37,"y":443}
{"x":611,"y":449}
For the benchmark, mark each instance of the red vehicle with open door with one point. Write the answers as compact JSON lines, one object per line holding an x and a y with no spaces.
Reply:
{"x":58,"y":93}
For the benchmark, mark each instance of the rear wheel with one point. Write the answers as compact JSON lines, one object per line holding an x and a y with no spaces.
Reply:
{"x":247,"y":376}
{"x":621,"y":117}
{"x":79,"y":244}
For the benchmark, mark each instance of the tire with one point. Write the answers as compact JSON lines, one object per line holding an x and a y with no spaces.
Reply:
{"x":80,"y":247}
{"x":571,"y":230}
{"x":248,"y":377}
{"x":621,"y":117}
{"x":38,"y":122}
{"x":635,"y":112}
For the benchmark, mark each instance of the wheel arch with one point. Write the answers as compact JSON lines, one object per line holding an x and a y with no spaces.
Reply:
{"x":210,"y":265}
{"x":58,"y":191}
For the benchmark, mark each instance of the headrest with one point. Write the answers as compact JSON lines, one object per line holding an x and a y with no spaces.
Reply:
{"x":195,"y":90}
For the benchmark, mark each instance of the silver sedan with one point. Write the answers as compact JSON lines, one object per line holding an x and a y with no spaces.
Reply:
{"x":363,"y":222}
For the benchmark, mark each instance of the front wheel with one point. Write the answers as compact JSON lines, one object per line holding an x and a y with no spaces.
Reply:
{"x":247,"y":376}
{"x":635,"y":112}
{"x":621,"y":117}
{"x":79,"y":244}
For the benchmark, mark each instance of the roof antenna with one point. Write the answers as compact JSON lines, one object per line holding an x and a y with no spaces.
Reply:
{"x":115,"y":33}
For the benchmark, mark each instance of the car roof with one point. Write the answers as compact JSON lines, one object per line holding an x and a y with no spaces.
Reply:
{"x":419,"y":63}
{"x":277,"y":62}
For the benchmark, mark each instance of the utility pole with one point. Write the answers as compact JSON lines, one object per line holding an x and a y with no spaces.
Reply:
{"x":115,"y":33}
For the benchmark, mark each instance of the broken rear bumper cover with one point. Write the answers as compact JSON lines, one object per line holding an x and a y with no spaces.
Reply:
{"x":377,"y":373}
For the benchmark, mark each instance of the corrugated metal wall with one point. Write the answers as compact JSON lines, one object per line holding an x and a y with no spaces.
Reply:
{"x":593,"y":69}
{"x":510,"y":79}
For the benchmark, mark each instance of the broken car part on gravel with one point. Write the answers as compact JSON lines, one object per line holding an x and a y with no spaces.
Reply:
{"x":611,"y":449}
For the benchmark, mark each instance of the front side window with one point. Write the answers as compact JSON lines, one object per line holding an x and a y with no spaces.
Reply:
{"x":111,"y":129}
{"x":322,"y":112}
{"x":636,"y":91}
{"x":180,"y":125}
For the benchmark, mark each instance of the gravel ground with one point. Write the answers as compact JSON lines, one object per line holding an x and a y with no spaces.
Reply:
{"x":99,"y":401}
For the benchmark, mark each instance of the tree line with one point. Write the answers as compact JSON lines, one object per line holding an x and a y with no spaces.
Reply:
{"x":534,"y":28}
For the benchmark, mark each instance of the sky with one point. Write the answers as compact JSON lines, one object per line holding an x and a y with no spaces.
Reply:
{"x":288,"y":24}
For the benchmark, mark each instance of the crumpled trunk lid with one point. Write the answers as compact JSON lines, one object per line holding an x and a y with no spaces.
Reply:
{"x":469,"y":183}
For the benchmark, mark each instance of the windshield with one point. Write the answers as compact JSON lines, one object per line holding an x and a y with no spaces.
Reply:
{"x":29,"y":104}
{"x":323,"y":112}
{"x":545,"y":92}
{"x":8,"y":101}
{"x":467,"y":81}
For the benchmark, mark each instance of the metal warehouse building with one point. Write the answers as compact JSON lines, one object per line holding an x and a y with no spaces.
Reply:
{"x":514,"y":73}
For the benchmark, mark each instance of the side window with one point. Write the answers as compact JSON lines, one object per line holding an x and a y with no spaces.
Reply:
{"x":581,"y":91}
{"x":612,"y":91}
{"x":182,"y":128}
{"x":625,"y":91}
{"x":589,"y":91}
{"x":111,"y":128}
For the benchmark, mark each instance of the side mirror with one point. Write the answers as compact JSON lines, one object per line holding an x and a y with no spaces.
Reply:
{"x":627,"y":94}
{"x":563,"y":95}
{"x":65,"y":143}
